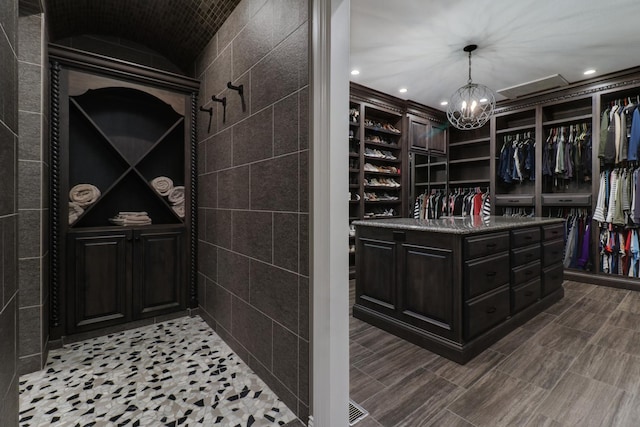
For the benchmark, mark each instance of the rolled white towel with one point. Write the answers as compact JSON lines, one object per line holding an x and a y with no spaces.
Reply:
{"x":162,"y":185}
{"x":179,"y":210}
{"x":84,"y":194}
{"x":74,"y":212}
{"x":176,"y":196}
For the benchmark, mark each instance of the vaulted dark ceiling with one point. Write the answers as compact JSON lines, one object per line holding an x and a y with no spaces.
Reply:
{"x":177,"y":29}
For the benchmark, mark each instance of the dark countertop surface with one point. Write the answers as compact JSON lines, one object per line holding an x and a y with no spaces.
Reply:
{"x":458,"y":225}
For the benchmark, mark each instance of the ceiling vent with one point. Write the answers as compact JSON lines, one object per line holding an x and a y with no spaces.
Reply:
{"x":545,"y":83}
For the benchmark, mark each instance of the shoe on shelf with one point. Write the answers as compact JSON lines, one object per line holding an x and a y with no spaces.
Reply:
{"x":370,"y":168}
{"x":352,"y":249}
{"x":352,"y":230}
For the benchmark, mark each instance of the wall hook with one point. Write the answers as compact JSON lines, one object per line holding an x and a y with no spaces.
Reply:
{"x":210,"y":111}
{"x":240,"y":90}
{"x":223,"y":101}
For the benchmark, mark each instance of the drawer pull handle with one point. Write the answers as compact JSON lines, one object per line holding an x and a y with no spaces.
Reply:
{"x":491,"y":310}
{"x":528,"y":237}
{"x":555,"y":232}
{"x":513,"y":201}
{"x":528,"y":293}
{"x":528,"y":273}
{"x":491,"y":245}
{"x":528,"y":255}
{"x":565,"y":200}
{"x":491,"y":273}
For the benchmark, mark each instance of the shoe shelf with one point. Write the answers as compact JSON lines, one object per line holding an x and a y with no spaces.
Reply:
{"x":383,"y":173}
{"x":382,"y":144}
{"x":381,"y":187}
{"x":381,"y":130}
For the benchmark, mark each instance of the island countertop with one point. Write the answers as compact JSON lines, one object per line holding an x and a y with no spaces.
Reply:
{"x":458,"y":225}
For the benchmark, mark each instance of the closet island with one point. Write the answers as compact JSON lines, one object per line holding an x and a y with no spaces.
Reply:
{"x":456,"y":285}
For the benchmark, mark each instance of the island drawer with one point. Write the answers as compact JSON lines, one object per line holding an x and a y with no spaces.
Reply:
{"x":486,"y":311}
{"x":525,"y":273}
{"x":552,"y":252}
{"x":483,"y":274}
{"x":525,"y":237}
{"x":552,"y":278}
{"x":554,"y":231}
{"x":525,"y":255}
{"x":486,"y":244}
{"x":524,"y":295}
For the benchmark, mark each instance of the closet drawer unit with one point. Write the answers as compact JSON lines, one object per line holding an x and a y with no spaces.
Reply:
{"x":552,"y":232}
{"x":525,"y":273}
{"x":552,"y":252}
{"x":525,"y":255}
{"x":552,"y":278}
{"x":566,"y":199}
{"x":525,"y":237}
{"x":486,"y":311}
{"x":487,"y":244}
{"x":483,"y":274}
{"x":513,"y":200}
{"x":524,"y":295}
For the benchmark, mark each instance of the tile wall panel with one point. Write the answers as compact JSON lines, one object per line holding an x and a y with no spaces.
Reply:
{"x":8,"y":213}
{"x":259,"y":226}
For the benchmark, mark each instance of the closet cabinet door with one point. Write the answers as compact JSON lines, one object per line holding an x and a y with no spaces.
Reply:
{"x":99,"y":279}
{"x":159,"y":272}
{"x":437,"y":139}
{"x":418,"y":131}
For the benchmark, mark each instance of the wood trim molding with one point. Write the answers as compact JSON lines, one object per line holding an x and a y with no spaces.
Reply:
{"x":54,"y":196}
{"x":89,"y":61}
{"x":193,"y":218}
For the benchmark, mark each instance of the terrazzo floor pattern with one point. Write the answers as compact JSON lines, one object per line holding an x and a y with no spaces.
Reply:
{"x":176,"y":373}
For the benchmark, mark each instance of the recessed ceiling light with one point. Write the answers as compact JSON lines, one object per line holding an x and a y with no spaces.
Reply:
{"x":403,"y":90}
{"x":355,"y":72}
{"x":589,"y":72}
{"x":444,"y":103}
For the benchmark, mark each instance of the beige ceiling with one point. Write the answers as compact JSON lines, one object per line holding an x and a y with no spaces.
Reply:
{"x":418,"y":44}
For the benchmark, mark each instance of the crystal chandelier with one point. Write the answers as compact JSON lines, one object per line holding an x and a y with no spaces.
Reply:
{"x":471,"y":106}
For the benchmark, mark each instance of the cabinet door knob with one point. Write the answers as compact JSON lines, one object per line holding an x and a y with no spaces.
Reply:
{"x":491,"y":310}
{"x":491,"y":245}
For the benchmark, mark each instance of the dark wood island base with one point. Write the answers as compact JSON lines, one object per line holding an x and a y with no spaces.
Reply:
{"x":455,"y":286}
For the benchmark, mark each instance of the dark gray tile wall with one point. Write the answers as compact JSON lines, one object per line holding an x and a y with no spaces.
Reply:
{"x":8,"y":213}
{"x":33,"y":192}
{"x":253,"y":196}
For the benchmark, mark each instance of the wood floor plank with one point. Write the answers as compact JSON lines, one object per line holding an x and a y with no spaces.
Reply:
{"x":423,"y":390}
{"x":395,"y":365}
{"x":577,"y":286}
{"x":498,"y":400}
{"x":538,"y":365}
{"x":580,"y":401}
{"x":362,"y":386}
{"x":591,"y":305}
{"x":603,"y":293}
{"x":447,"y":418}
{"x":612,"y":367}
{"x":511,"y":342}
{"x":539,"y":322}
{"x":582,"y":320}
{"x":625,"y":319}
{"x":624,"y":340}
{"x":560,"y":338}
{"x":539,"y":420}
{"x":631,"y":303}
{"x":358,"y":352}
{"x":561,"y":306}
{"x":466,"y":375}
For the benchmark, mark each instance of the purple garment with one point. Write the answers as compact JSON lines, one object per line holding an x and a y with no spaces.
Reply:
{"x":586,"y":240}
{"x":634,"y":139}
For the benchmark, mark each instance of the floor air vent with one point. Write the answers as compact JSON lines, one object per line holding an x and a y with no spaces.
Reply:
{"x":356,"y":413}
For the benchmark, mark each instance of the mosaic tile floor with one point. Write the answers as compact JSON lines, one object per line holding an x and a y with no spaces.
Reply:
{"x":176,"y":373}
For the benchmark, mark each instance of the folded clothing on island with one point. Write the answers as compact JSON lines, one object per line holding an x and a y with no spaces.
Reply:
{"x":131,"y":218}
{"x":84,"y":194}
{"x":162,"y":185}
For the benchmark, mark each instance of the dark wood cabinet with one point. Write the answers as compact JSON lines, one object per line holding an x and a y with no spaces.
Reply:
{"x":454,"y":286}
{"x":118,"y":127}
{"x":427,"y":136}
{"x":99,"y":279}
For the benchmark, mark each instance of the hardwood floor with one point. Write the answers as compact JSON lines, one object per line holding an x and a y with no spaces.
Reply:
{"x":576,"y":364}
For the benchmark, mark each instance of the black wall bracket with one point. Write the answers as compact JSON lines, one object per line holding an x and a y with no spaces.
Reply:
{"x":223,"y":101}
{"x":210,"y":111}
{"x":240,"y":90}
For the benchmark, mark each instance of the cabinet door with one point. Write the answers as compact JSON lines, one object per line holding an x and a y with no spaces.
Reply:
{"x":159,"y":272}
{"x":376,"y":274}
{"x":418,"y":133}
{"x":427,"y":289}
{"x":437,"y":139}
{"x":99,"y":280}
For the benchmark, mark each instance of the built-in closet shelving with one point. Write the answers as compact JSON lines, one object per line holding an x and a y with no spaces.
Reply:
{"x":127,"y":252}
{"x":469,"y":158}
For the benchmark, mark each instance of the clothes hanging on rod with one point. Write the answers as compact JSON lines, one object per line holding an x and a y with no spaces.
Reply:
{"x":517,"y":158}
{"x":459,"y":202}
{"x":518,"y":212}
{"x":566,"y":155}
{"x":619,"y":132}
{"x":577,"y":237}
